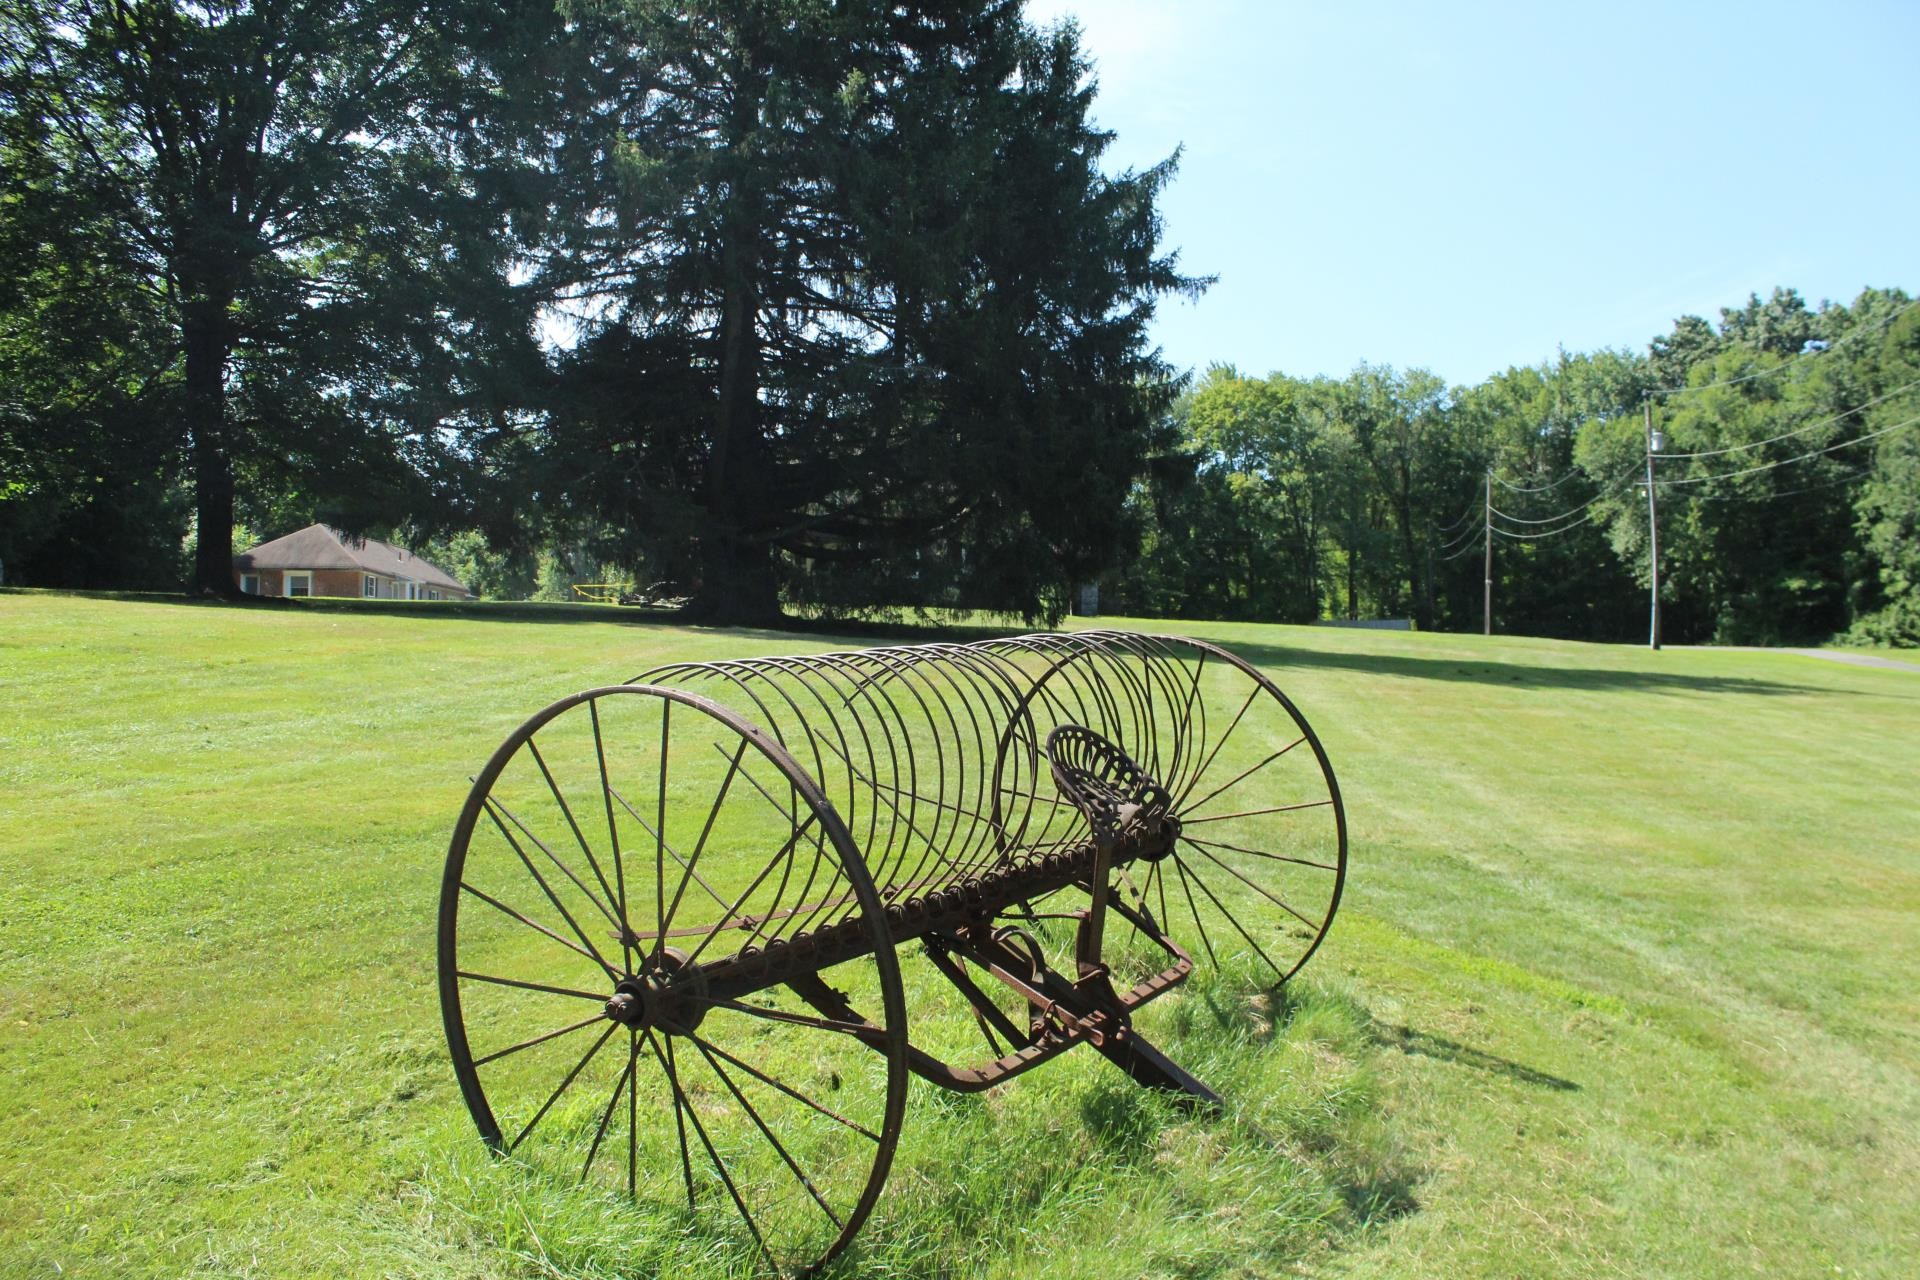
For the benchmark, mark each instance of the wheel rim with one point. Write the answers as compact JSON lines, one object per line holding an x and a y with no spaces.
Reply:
{"x":620,"y":854}
{"x":1251,"y":886}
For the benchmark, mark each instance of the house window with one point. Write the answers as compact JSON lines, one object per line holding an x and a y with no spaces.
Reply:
{"x":370,"y":586}
{"x":299,"y":584}
{"x":250,"y":584}
{"x":433,"y":595}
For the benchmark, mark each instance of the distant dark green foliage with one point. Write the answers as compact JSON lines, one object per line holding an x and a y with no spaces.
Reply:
{"x":1367,"y":493}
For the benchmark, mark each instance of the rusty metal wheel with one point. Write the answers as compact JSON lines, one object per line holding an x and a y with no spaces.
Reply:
{"x":1262,"y":855}
{"x":637,"y":890}
{"x":1251,"y":885}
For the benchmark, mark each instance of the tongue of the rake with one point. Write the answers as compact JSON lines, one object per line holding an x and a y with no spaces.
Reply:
{"x":1103,"y":782}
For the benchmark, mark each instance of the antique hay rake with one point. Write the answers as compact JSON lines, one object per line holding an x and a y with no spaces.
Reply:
{"x":676,"y":912}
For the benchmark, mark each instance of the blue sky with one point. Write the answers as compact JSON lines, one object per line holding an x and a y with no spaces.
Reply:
{"x":1463,"y":187}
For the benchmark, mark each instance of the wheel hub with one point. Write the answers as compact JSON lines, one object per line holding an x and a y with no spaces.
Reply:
{"x":667,"y":994}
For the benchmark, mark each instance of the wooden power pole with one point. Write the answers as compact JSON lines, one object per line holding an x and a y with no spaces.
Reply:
{"x":1653,"y":536}
{"x":1486,"y":597}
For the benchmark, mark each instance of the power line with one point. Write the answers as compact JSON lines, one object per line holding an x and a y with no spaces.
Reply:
{"x":1771,"y":466}
{"x":1798,"y":431}
{"x":1549,"y":520}
{"x":1464,"y":517}
{"x":1848,"y":478}
{"x":1517,"y":537}
{"x":1615,"y":487}
{"x":1799,"y":359}
{"x":1546,"y":533}
{"x":1554,"y":484}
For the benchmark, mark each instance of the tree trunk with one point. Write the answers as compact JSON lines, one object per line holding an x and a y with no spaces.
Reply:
{"x":1353,"y":591}
{"x":738,"y":585}
{"x":1403,"y":509}
{"x":208,"y":343}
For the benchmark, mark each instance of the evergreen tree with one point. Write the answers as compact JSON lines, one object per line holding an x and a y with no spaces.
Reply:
{"x":866,"y":320}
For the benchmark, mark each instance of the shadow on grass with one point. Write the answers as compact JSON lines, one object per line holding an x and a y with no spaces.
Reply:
{"x":1523,"y":675}
{"x":1262,"y":1017}
{"x":1427,"y":1045}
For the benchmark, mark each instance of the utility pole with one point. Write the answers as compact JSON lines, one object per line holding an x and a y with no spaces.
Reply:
{"x":1486,"y":598}
{"x":1653,"y":529}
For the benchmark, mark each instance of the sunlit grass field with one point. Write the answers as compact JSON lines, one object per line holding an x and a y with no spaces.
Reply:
{"x":1623,"y":982}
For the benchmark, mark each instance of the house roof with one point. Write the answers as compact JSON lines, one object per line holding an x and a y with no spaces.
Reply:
{"x":319,"y":547}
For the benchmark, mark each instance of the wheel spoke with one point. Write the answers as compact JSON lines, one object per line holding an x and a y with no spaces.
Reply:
{"x":660,"y":836}
{"x":530,"y":986}
{"x":537,"y":927}
{"x":856,"y":1029}
{"x":620,"y":1085}
{"x":1263,"y":892}
{"x":553,"y":857}
{"x":1259,"y":853}
{"x":564,"y":1084}
{"x":1205,"y":941}
{"x":1243,"y":776}
{"x":572,"y":822}
{"x":719,"y":1165}
{"x":662,"y":847}
{"x":613,"y":835}
{"x":761,"y":1124}
{"x":680,"y":1108}
{"x":791,"y":1092}
{"x":726,"y":784}
{"x":528,"y":1044}
{"x":1257,"y":813}
{"x":547,"y":889}
{"x":729,"y":917}
{"x":633,"y":1109}
{"x":1193,"y":696}
{"x":1231,"y":918}
{"x":1181,"y":800}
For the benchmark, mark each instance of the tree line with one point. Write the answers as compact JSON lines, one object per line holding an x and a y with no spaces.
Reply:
{"x":827,"y":304}
{"x":1788,"y":488}
{"x":829,"y":307}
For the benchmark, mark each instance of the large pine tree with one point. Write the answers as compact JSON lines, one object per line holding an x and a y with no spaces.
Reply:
{"x":865,"y":319}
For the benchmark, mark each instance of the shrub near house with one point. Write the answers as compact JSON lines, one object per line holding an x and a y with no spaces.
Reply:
{"x":319,"y":561}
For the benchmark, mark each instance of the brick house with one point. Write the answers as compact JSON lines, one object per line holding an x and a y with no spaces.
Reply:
{"x":318,"y":561}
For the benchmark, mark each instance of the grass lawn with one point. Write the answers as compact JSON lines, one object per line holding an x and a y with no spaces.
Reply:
{"x":1624,"y":982}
